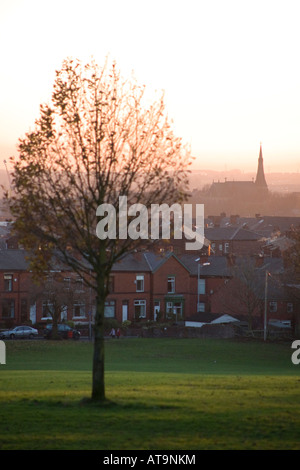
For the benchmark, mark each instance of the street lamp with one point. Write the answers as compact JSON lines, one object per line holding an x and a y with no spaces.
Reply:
{"x":198,"y":286}
{"x":266,"y":300}
{"x":204,"y":264}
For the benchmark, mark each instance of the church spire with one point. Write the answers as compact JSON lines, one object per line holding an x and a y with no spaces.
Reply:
{"x":260,"y":175}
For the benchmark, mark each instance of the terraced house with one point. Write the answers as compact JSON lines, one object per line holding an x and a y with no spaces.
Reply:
{"x":150,"y":286}
{"x":143,"y":286}
{"x":166,"y":283}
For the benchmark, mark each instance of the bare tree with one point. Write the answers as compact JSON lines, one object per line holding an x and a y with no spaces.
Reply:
{"x":291,"y":277}
{"x":60,"y":292}
{"x":97,"y":140}
{"x":244,"y":292}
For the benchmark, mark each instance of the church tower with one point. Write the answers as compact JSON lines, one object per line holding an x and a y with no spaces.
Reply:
{"x":260,"y":181}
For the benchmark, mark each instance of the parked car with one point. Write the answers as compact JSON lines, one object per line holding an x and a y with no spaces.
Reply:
{"x":19,"y":332}
{"x":64,"y":331}
{"x":280,"y":323}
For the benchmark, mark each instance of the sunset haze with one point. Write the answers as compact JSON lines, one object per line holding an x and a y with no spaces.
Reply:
{"x":229,"y":70}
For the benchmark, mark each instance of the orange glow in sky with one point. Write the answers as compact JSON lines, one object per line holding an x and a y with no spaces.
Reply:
{"x":230,"y":69}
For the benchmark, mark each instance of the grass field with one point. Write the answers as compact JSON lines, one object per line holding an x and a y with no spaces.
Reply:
{"x":166,"y":394}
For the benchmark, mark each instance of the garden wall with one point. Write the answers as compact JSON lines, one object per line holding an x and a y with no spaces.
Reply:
{"x":206,"y":331}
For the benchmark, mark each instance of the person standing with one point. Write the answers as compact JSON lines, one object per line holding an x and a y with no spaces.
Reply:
{"x":112,"y":333}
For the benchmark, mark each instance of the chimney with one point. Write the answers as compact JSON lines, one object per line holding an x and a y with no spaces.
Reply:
{"x":138,"y":255}
{"x":217,"y":221}
{"x":259,"y":260}
{"x":233,"y":219}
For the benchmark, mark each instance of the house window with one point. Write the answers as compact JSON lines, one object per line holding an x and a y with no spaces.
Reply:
{"x":171,"y":285}
{"x":79,"y":284}
{"x":47,"y":309}
{"x":139,"y":283}
{"x":139,"y":309}
{"x":24,"y":310}
{"x":289,"y":307}
{"x":226,"y":247}
{"x":156,"y":309}
{"x":201,"y":307}
{"x":110,"y":309}
{"x":64,"y":313}
{"x":174,"y":310}
{"x":78,"y":309}
{"x":8,"y":308}
{"x":8,"y":282}
{"x":169,"y":309}
{"x":273,"y":306}
{"x":67,"y":283}
{"x":111,"y":284}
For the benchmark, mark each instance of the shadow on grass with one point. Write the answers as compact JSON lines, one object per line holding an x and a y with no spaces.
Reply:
{"x":123,"y":405}
{"x":87,"y":402}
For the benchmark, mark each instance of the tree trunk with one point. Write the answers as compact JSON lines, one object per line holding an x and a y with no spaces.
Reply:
{"x":55,"y":334}
{"x":98,"y":387}
{"x":297,"y":324}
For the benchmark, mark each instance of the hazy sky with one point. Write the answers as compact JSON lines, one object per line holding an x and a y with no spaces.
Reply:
{"x":230,"y":68}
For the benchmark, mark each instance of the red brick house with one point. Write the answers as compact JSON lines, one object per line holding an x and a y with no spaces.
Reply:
{"x":231,"y":297}
{"x":20,"y":299}
{"x":147,"y":286}
{"x":232,"y":239}
{"x":207,"y":276}
{"x":144,"y":286}
{"x":14,"y":287}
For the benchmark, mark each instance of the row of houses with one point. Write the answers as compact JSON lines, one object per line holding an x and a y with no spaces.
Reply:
{"x":146,"y":286}
{"x":167,"y":283}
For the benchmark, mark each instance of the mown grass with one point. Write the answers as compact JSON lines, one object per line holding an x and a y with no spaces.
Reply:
{"x":164,"y":394}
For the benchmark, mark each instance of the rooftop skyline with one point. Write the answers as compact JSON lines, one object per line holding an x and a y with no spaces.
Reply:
{"x":229,"y":69}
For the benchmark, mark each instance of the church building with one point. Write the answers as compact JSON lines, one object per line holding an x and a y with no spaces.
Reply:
{"x":247,"y":190}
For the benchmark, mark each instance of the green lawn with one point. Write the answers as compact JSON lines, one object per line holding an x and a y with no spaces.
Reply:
{"x":168,"y":394}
